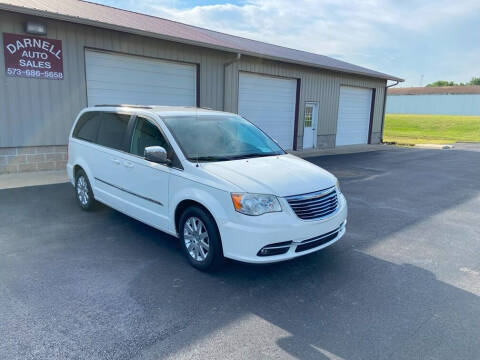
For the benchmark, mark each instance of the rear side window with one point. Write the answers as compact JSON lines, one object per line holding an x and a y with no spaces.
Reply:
{"x":87,"y":126}
{"x":112,"y":130}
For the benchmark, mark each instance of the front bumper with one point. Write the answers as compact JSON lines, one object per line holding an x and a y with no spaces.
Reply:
{"x":243,"y":239}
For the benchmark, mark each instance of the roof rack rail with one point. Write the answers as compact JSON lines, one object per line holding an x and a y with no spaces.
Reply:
{"x":126,"y":105}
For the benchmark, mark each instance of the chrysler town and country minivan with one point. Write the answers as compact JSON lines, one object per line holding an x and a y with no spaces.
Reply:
{"x":210,"y":178}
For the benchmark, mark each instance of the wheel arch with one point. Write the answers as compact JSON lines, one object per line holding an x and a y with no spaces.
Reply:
{"x":186,"y":193}
{"x":82,"y":165}
{"x":76,"y":168}
{"x":185,"y":204}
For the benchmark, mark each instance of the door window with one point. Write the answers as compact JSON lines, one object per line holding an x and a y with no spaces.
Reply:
{"x":144,"y":135}
{"x":308,"y":116}
{"x":112,"y":130}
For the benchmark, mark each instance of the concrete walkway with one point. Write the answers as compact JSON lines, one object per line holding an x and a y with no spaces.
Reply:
{"x":346,"y":149}
{"x":9,"y":181}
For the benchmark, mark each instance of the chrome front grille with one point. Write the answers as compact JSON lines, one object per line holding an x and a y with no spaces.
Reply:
{"x":314,"y":205}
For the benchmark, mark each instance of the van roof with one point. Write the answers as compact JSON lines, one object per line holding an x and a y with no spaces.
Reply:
{"x":160,"y":109}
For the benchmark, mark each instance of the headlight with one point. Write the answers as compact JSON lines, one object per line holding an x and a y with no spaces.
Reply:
{"x":339,"y":189}
{"x":255,"y":204}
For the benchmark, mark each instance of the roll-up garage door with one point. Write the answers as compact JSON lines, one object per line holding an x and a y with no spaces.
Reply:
{"x":126,"y":79}
{"x":269,"y":103}
{"x":353,"y":115}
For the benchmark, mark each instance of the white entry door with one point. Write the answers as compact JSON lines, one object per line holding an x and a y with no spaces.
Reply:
{"x":269,"y":102}
{"x":126,"y":79}
{"x":310,"y":121}
{"x":353,"y":115}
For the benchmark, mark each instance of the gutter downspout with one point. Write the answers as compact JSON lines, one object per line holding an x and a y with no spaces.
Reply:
{"x":385,"y":104}
{"x":225,"y":65}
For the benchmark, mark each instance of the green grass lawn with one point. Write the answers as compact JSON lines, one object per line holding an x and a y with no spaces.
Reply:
{"x":431,"y":129}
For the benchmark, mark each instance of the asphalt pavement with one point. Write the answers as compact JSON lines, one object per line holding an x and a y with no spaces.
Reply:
{"x":404,"y":283}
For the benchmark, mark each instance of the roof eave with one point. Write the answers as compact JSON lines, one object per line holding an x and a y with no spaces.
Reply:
{"x":83,"y":21}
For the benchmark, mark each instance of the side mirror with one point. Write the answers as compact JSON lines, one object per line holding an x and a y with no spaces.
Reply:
{"x":157,"y":154}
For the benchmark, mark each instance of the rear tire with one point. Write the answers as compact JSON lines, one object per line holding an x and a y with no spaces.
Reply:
{"x":83,"y":191}
{"x":200,"y":239}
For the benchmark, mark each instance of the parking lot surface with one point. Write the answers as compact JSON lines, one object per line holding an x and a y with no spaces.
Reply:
{"x":404,"y":283}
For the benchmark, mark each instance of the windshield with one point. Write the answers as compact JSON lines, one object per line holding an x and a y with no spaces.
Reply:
{"x":220,"y":138}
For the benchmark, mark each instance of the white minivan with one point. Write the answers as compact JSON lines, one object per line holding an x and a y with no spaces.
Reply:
{"x":210,"y":178}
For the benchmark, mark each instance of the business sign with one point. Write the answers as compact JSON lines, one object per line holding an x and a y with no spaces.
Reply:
{"x":32,"y":56}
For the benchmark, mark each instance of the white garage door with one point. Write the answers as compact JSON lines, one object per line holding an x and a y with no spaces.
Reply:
{"x":125,"y":79}
{"x":353,"y":115}
{"x":269,"y":103}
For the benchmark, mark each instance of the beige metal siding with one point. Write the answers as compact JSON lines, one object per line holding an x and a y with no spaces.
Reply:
{"x":41,"y":112}
{"x":322,"y":86}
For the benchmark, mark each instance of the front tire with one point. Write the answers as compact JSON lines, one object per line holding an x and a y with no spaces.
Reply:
{"x":83,"y":191}
{"x":200,"y":239}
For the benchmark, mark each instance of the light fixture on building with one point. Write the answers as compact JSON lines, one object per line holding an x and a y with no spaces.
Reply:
{"x":33,"y":27}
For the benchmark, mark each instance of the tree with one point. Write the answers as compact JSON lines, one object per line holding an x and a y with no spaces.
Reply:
{"x":442,"y":83}
{"x":474,"y":81}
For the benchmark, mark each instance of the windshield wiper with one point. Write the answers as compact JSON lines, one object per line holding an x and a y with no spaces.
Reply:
{"x":254,"y":155}
{"x":232,"y":157}
{"x":208,"y":158}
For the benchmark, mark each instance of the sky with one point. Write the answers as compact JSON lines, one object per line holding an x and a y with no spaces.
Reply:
{"x":420,"y":41}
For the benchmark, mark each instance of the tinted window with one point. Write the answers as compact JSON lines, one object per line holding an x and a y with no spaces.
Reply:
{"x":112,"y":130}
{"x":87,"y":127}
{"x":220,"y":138}
{"x":146,"y":134}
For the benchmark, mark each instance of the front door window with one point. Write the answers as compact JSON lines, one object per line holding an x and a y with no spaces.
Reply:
{"x":144,"y":135}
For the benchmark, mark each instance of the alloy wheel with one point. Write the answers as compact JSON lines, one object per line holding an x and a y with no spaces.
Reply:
{"x":82,"y":190}
{"x":196,"y":238}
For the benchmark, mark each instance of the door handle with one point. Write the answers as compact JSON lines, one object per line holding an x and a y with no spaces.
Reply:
{"x":116,"y":161}
{"x":128,"y":164}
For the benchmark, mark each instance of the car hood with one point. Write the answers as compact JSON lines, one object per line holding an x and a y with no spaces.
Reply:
{"x":281,"y":175}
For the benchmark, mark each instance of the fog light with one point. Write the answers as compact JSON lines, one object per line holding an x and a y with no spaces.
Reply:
{"x":275,"y":249}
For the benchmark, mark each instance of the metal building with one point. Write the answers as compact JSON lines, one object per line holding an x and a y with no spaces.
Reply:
{"x":62,"y":55}
{"x":447,"y":100}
